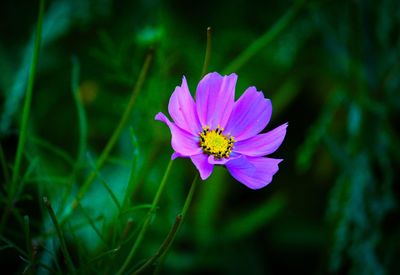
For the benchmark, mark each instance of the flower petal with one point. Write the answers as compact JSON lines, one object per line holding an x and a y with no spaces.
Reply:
{"x":182,"y":109}
{"x":201,"y":163}
{"x":176,"y":155}
{"x":215,"y":97}
{"x":250,"y":115}
{"x":254,"y":172}
{"x":263,"y":144}
{"x":213,"y":160}
{"x":182,"y":142}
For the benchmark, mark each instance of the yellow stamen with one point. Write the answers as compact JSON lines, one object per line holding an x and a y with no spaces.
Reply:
{"x":213,"y":142}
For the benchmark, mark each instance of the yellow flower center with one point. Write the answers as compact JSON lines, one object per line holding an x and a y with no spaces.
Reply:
{"x":213,"y":142}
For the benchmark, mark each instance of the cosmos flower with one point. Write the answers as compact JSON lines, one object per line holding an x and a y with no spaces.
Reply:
{"x":216,"y":130}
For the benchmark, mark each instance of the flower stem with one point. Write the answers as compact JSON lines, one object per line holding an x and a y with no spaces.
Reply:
{"x":160,"y":254}
{"x":208,"y":53}
{"x":266,"y":38}
{"x":146,"y":221}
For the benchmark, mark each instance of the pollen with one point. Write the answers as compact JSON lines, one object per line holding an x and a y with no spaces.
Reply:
{"x":213,"y":142}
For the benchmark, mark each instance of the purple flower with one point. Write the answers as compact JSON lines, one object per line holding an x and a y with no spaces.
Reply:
{"x":216,"y":130}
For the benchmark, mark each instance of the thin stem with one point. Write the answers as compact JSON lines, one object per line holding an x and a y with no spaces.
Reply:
{"x":132,"y":177}
{"x":208,"y":52}
{"x":165,"y":246}
{"x":60,"y":235}
{"x":4,"y":165}
{"x":28,"y":100}
{"x":266,"y":38}
{"x":111,"y":142}
{"x":147,"y":220}
{"x":14,"y":186}
{"x":82,"y":121}
{"x":28,"y":243}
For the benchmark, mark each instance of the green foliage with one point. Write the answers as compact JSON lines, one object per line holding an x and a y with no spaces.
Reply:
{"x":91,"y":146}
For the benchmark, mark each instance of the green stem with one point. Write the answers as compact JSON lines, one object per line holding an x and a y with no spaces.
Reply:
{"x":27,"y":102}
{"x":133,"y":174}
{"x":60,"y":235}
{"x":4,"y":165}
{"x":28,"y":243}
{"x":165,"y":246}
{"x":82,"y":121}
{"x":147,"y":220}
{"x":14,"y":186}
{"x":208,"y":53}
{"x":111,"y":142}
{"x":266,"y":38}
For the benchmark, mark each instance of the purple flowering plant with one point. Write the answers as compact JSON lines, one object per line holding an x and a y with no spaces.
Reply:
{"x":215,"y":129}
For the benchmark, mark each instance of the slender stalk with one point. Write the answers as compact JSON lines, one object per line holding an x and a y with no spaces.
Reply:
{"x":14,"y":186}
{"x":165,"y":246}
{"x":28,"y":99}
{"x":60,"y":235}
{"x":147,"y":220}
{"x":264,"y":40}
{"x":132,"y":177}
{"x":82,"y":121}
{"x":4,"y":165}
{"x":208,"y":52}
{"x":28,"y":243}
{"x":111,"y":142}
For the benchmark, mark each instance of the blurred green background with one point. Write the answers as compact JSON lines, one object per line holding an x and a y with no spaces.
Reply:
{"x":331,"y":69}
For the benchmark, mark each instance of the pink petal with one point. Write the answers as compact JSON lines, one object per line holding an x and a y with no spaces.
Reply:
{"x":182,"y":109}
{"x":176,"y":155}
{"x":250,"y":115}
{"x":261,"y":145}
{"x":215,"y":97}
{"x":182,"y":142}
{"x":254,"y":172}
{"x":212,"y":160}
{"x":201,"y":163}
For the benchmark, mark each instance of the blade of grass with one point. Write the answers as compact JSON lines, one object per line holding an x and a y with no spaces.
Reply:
{"x":146,"y":223}
{"x":28,"y":243}
{"x":92,"y":224}
{"x":135,"y":208}
{"x":33,"y":164}
{"x":58,"y":180}
{"x":165,"y":246}
{"x":27,"y":236}
{"x":82,"y":121}
{"x":60,"y":235}
{"x":13,"y":245}
{"x":14,"y":186}
{"x":103,"y":254}
{"x":27,"y":101}
{"x":9,"y":208}
{"x":110,"y":192}
{"x":110,"y":144}
{"x":105,"y":185}
{"x":52,"y":148}
{"x":136,"y":181}
{"x":264,"y":40}
{"x":208,"y":53}
{"x":75,"y":227}
{"x":4,"y":165}
{"x":133,"y":175}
